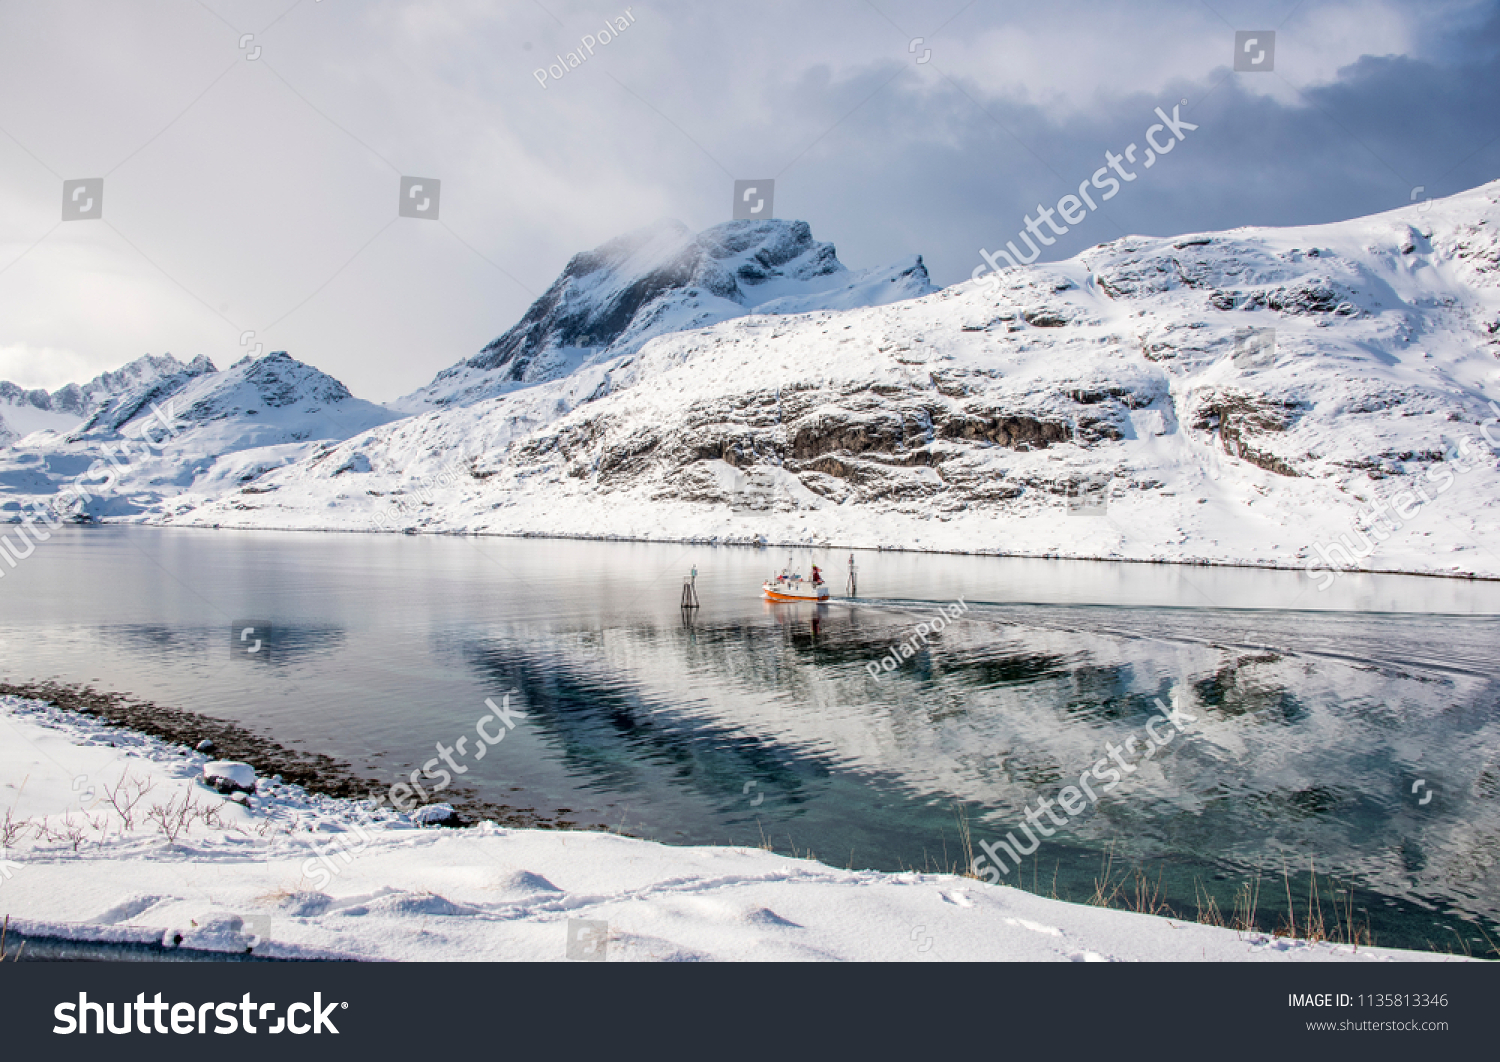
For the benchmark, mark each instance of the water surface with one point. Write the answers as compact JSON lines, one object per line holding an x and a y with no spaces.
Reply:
{"x":1353,"y":730}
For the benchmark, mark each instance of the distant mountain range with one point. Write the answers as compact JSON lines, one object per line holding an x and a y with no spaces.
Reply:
{"x":226,"y":427}
{"x":25,"y":411}
{"x":262,"y":414}
{"x":1258,"y":396}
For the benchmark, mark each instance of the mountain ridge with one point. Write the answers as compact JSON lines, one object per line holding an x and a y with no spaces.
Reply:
{"x":658,"y":279}
{"x":226,"y":428}
{"x":25,"y":410}
{"x":1114,"y":405}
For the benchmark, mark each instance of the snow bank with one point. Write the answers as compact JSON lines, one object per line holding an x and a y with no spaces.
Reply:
{"x":228,"y":776}
{"x":435,"y":815}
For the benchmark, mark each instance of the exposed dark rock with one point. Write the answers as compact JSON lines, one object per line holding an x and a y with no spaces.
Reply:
{"x":1045,"y":317}
{"x":1312,"y":297}
{"x":313,"y":771}
{"x":1242,"y":420}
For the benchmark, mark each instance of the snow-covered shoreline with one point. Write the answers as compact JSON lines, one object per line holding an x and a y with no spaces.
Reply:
{"x":1268,"y":565}
{"x":293,"y":873}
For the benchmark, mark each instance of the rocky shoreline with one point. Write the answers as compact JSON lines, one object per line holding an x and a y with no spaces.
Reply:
{"x":313,"y":771}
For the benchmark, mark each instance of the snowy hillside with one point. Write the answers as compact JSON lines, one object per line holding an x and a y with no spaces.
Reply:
{"x":1126,"y":403}
{"x":193,"y":428}
{"x":25,"y":411}
{"x":612,"y":300}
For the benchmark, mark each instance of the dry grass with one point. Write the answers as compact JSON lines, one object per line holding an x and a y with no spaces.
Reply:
{"x":1134,"y":890}
{"x":619,"y":830}
{"x":1463,"y":945}
{"x":11,"y":828}
{"x":275,"y":896}
{"x":74,"y":831}
{"x":965,"y":841}
{"x":126,"y":794}
{"x":175,"y":818}
{"x":1241,"y":918}
{"x":1340,"y":927}
{"x":963,"y":868}
{"x":4,"y":932}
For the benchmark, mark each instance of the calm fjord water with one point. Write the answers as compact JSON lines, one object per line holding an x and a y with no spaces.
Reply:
{"x":1317,"y":715}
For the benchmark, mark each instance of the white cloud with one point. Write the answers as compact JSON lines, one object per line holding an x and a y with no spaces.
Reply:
{"x":47,"y":368}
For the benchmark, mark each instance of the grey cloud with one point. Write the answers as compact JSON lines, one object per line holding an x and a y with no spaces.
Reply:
{"x":260,"y":195}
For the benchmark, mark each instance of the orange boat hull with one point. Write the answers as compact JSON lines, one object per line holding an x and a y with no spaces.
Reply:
{"x":774,"y":595}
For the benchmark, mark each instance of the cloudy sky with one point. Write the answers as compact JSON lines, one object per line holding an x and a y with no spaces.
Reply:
{"x":252,"y":151}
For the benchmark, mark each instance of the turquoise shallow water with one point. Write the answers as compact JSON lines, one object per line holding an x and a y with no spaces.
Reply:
{"x":1355,"y":730}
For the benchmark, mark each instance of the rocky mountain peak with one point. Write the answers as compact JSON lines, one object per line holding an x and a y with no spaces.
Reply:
{"x":659,"y":279}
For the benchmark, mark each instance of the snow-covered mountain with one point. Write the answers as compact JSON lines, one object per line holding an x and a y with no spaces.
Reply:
{"x":24,"y":411}
{"x":196,"y":429}
{"x":659,"y":279}
{"x":1129,"y":402}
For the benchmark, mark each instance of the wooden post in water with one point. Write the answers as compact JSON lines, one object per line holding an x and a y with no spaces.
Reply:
{"x":853,"y":585}
{"x":690,"y":590}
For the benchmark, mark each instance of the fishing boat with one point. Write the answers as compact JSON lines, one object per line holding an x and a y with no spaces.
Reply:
{"x":788,"y":585}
